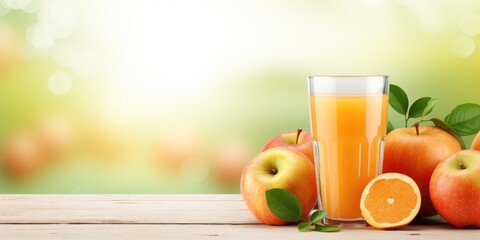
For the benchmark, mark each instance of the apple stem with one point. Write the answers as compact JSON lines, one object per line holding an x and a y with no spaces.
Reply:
{"x":460,"y":163}
{"x":417,"y":127}
{"x":273,"y":171}
{"x":299,"y":131}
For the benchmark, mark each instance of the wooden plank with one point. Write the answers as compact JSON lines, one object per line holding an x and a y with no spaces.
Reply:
{"x":178,"y":231}
{"x":169,"y":217}
{"x":215,"y":209}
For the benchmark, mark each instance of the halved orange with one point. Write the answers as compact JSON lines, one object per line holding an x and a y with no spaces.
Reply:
{"x":391,"y":200}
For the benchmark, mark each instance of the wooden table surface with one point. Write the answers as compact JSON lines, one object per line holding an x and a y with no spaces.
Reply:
{"x":170,"y":217}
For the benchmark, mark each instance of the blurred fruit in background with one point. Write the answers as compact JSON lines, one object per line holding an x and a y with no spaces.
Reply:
{"x":108,"y":141}
{"x":9,"y":47}
{"x":56,"y":137}
{"x":22,"y":156}
{"x":194,"y":170}
{"x":228,"y":161}
{"x":85,"y":61}
{"x":176,"y":147}
{"x":26,"y":152}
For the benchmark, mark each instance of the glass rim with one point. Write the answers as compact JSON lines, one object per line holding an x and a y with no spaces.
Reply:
{"x":348,"y":84}
{"x":349,"y":76}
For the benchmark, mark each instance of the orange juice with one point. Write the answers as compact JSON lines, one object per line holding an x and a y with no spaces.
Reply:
{"x":348,"y":130}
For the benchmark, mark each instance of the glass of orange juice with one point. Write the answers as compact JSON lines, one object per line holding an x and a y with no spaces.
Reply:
{"x":348,"y":117}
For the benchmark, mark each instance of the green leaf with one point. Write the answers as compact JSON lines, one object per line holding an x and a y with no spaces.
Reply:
{"x":465,"y":119}
{"x":318,"y":216}
{"x":304,"y":226}
{"x":431,"y":104}
{"x":326,"y":228}
{"x":284,"y":204}
{"x":443,"y":125}
{"x":390,"y":127}
{"x":422,"y":107}
{"x":398,"y":99}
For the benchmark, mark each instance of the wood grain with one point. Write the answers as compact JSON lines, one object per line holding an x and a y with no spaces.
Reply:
{"x":214,"y":209}
{"x":171,"y":217}
{"x":178,"y":231}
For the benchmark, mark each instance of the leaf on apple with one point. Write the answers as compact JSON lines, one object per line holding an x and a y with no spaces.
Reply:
{"x":443,"y":125}
{"x":390,"y":127}
{"x":422,"y":107}
{"x":398,"y":99}
{"x":284,"y":204}
{"x":465,"y":119}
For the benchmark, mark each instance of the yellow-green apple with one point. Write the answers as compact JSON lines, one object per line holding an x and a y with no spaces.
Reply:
{"x":476,"y":142}
{"x":415,"y":152}
{"x":299,"y":141}
{"x":278,"y":168}
{"x":455,"y":189}
{"x":229,"y":160}
{"x":22,"y":155}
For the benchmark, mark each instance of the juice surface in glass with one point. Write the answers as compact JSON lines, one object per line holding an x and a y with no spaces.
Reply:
{"x":349,"y":130}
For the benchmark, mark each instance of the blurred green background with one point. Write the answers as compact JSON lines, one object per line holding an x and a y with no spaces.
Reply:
{"x":175,"y":96}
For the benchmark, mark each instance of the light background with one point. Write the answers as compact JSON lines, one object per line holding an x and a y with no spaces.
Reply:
{"x":136,"y":77}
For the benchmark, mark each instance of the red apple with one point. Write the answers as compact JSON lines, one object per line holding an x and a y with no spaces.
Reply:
{"x":476,"y":142}
{"x":455,"y":189}
{"x":22,"y":156}
{"x":415,"y":152}
{"x":298,"y":141}
{"x":278,"y":168}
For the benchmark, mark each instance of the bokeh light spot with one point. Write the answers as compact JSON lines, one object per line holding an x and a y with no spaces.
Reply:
{"x":374,"y":3}
{"x":84,"y":63}
{"x":16,"y":4}
{"x":63,"y":55}
{"x":40,"y":37}
{"x":432,"y":21}
{"x":3,"y":9}
{"x":33,"y":6}
{"x":418,"y":5}
{"x":59,"y":17}
{"x":463,"y":46}
{"x":59,"y":83}
{"x":470,"y":24}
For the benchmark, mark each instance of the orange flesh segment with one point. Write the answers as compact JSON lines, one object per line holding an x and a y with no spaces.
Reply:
{"x":390,"y":200}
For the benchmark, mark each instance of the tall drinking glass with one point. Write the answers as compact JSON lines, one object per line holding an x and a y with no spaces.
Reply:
{"x":348,"y":117}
